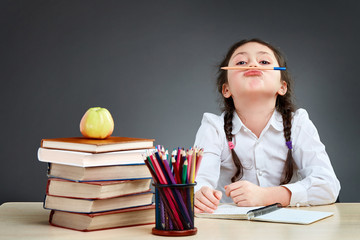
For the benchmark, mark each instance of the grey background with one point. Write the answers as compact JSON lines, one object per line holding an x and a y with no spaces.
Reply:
{"x":153,"y":65}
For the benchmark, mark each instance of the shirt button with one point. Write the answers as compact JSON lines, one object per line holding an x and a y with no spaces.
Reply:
{"x":260,"y":173}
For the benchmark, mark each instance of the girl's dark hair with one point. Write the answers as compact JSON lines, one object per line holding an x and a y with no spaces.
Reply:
{"x":284,"y":105}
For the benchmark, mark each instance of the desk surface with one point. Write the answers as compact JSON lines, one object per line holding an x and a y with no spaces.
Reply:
{"x":30,"y":221}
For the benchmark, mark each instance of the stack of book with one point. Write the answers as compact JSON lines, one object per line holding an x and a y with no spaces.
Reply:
{"x":97,"y":184}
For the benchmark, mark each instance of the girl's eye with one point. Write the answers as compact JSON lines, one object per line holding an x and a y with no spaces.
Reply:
{"x":264,"y":62}
{"x":241,"y":63}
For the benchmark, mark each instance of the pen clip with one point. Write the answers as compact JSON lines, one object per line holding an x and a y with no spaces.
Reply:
{"x":263,"y":210}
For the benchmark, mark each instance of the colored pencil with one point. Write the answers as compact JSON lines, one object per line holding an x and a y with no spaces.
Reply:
{"x":178,"y":197}
{"x":198,"y":161}
{"x":168,"y":195}
{"x":176,"y":204}
{"x":255,"y":68}
{"x":184,"y":174}
{"x":192,"y":170}
{"x":189,"y":158}
{"x":175,"y":169}
{"x":163,"y":197}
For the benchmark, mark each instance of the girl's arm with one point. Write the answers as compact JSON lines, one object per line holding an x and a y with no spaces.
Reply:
{"x":246,"y":194}
{"x":317,"y":183}
{"x":208,"y":138}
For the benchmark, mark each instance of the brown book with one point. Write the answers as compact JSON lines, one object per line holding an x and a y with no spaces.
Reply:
{"x":103,"y":173}
{"x":97,"y":205}
{"x":84,"y":159}
{"x":95,"y":190}
{"x":109,"y":144}
{"x":106,"y":220}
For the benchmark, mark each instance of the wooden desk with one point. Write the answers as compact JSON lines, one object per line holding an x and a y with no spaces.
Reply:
{"x":30,"y":221}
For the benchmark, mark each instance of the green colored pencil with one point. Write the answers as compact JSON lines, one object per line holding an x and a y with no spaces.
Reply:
{"x":184,"y":171}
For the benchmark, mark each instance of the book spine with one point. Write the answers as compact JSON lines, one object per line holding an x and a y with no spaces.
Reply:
{"x":98,"y":229}
{"x":51,"y":216}
{"x":48,"y":185}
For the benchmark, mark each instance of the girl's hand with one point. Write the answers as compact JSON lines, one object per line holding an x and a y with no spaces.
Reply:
{"x":246,"y":194}
{"x":207,"y":200}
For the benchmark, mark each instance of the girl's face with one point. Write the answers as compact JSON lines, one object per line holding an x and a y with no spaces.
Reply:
{"x":265,"y":83}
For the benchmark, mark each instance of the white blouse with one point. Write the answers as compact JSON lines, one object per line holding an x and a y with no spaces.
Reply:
{"x":314,"y":181}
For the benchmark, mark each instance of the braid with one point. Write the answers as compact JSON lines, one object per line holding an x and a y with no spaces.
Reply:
{"x":289,"y":163}
{"x":286,"y":108}
{"x":229,"y":111}
{"x":228,"y":125}
{"x":228,"y":128}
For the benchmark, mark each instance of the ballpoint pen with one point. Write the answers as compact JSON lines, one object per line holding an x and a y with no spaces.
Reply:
{"x":264,"y":210}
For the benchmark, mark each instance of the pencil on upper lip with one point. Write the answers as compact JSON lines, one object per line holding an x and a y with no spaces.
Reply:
{"x":255,"y":68}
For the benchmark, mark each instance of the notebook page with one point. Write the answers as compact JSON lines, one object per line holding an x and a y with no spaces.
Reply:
{"x":294,"y":216}
{"x":232,"y":209}
{"x":227,"y":211}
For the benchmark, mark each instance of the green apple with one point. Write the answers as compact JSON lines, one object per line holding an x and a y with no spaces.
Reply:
{"x":97,"y":123}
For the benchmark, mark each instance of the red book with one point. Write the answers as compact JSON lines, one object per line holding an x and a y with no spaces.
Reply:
{"x":106,"y":220}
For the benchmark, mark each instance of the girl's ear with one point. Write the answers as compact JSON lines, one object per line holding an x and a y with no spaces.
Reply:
{"x":226,"y":91}
{"x":283,"y":89}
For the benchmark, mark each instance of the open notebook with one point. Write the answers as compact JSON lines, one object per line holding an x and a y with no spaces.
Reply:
{"x":276,"y":214}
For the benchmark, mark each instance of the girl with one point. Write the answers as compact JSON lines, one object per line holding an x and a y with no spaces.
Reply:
{"x":260,"y":150}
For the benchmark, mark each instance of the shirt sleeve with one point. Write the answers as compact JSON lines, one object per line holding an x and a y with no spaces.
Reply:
{"x":208,"y":137}
{"x":318,"y":183}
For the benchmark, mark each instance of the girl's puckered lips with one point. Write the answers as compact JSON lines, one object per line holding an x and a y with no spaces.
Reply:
{"x":253,"y":73}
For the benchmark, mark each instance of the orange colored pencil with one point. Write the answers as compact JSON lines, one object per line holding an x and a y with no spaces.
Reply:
{"x":198,"y":161}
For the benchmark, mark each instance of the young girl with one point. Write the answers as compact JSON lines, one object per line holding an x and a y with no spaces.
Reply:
{"x":260,"y":150}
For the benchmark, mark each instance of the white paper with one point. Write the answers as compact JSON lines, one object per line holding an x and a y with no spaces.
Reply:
{"x":286,"y":215}
{"x":232,"y":209}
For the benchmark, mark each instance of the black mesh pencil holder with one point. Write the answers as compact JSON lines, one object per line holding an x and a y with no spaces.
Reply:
{"x":174,"y":210}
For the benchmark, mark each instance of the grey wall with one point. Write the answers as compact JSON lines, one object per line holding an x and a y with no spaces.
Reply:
{"x":153,"y":65}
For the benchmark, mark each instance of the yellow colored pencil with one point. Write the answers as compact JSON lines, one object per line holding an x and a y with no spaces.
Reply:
{"x":193,"y":166}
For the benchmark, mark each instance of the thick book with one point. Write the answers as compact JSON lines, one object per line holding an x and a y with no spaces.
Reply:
{"x":275,"y":214}
{"x":109,"y":144}
{"x":84,"y":159}
{"x":97,"y":205}
{"x":107,"y":220}
{"x":95,"y":190}
{"x":104,"y":173}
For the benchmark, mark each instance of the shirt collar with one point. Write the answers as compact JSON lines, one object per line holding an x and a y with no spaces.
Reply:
{"x":275,"y":121}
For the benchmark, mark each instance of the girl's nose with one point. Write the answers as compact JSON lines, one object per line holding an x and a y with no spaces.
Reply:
{"x":253,"y":63}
